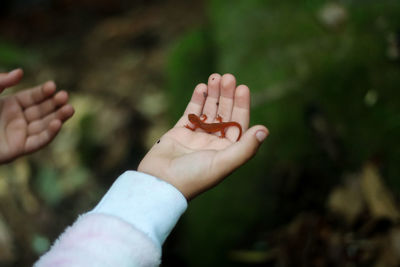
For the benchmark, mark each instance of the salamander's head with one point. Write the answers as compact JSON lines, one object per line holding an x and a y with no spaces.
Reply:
{"x":193,"y":118}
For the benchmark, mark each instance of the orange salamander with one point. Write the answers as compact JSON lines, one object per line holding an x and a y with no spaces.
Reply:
{"x":212,"y":127}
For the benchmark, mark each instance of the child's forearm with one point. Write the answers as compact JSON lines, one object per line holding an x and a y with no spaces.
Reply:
{"x":127,"y":227}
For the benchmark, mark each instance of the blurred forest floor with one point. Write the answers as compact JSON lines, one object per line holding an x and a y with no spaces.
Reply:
{"x":322,"y":191}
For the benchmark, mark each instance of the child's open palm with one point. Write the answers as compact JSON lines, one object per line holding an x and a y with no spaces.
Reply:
{"x":29,"y":119}
{"x":194,"y":161}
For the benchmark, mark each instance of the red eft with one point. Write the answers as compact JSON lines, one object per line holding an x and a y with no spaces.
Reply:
{"x":212,"y":127}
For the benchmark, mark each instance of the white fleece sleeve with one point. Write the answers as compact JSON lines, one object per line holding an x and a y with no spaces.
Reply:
{"x":149,"y":204}
{"x":126,"y":228}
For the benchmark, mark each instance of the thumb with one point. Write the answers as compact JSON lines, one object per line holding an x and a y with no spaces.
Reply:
{"x":240,"y":152}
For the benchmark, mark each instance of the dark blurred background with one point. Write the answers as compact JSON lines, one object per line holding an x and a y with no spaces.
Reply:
{"x":325,"y":77}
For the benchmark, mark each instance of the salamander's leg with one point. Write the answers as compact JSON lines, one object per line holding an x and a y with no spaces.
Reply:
{"x":222,"y":133}
{"x":203,"y":117}
{"x":219,"y":119}
{"x":191,"y":128}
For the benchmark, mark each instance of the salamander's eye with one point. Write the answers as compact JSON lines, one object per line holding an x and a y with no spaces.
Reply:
{"x":192,"y":117}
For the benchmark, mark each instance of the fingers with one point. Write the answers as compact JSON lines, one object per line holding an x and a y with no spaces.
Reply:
{"x":241,"y":107}
{"x":36,"y":94}
{"x":205,"y":100}
{"x":226,"y":98}
{"x":195,"y":105}
{"x":240,"y":112}
{"x":240,"y":152}
{"x":40,"y":125}
{"x":37,"y":141}
{"x":42,"y":132}
{"x":211,"y":104}
{"x":10,"y":79}
{"x":46,"y":107}
{"x":220,"y":97}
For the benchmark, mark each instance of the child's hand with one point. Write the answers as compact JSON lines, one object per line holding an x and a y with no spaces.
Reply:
{"x":194,"y":161}
{"x":30,"y":119}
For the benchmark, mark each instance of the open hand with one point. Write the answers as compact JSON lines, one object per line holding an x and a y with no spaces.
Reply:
{"x":194,"y":161}
{"x":29,"y":119}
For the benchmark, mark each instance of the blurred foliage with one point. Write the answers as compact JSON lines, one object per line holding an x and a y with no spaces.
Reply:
{"x":196,"y":48}
{"x":324,"y":77}
{"x":10,"y":54}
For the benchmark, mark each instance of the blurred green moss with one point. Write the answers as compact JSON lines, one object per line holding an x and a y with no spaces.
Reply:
{"x":13,"y":55}
{"x":191,"y":61}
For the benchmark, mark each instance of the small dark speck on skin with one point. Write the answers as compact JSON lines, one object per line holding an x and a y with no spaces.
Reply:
{"x":158,"y":141}
{"x":217,"y":103}
{"x":205,"y":94}
{"x":213,"y":78}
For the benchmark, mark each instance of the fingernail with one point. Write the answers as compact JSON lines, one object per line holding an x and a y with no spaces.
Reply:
{"x":261,"y":135}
